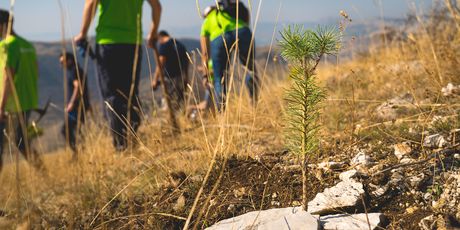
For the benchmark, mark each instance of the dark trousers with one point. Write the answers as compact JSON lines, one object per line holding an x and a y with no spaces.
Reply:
{"x":176,"y":90}
{"x":21,"y":124}
{"x":220,"y":60}
{"x":71,"y":128}
{"x":119,"y":88}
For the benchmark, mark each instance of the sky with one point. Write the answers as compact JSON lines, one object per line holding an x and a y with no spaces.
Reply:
{"x":40,"y":20}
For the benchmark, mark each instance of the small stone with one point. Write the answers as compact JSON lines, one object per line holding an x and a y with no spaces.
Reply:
{"x":411,"y":210}
{"x":407,"y":160}
{"x":450,"y":90}
{"x":350,"y":176}
{"x":180,"y":204}
{"x":402,"y":150}
{"x":327,"y":166}
{"x":380,"y":191}
{"x":415,"y":181}
{"x":239,"y":192}
{"x":231,"y":208}
{"x":296,"y":203}
{"x":435,"y":141}
{"x":275,"y":203}
{"x":362,"y":159}
{"x":427,"y":222}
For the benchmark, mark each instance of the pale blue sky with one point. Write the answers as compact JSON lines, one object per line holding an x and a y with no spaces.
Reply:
{"x":40,"y":19}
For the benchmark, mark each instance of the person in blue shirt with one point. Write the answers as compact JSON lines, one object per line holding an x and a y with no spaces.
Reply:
{"x":174,"y":63}
{"x":77,"y":103}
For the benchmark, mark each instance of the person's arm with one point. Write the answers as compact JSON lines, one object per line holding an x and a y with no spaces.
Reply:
{"x":156,"y":16}
{"x":205,"y":58}
{"x":75,"y":93}
{"x":156,"y":77}
{"x":204,"y":41}
{"x":88,"y":14}
{"x":7,"y":84}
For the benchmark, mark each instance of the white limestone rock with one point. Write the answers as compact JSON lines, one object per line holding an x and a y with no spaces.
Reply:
{"x":344,"y":195}
{"x":273,"y":219}
{"x":352,"y":222}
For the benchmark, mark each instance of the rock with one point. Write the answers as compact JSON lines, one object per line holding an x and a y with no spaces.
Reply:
{"x":402,"y":150}
{"x":449,"y":202}
{"x":362,"y":159}
{"x":180,"y":204}
{"x":411,"y":210}
{"x":239,"y":192}
{"x":396,"y":178}
{"x":394,"y":108}
{"x":450,"y":90}
{"x":378,"y":191}
{"x":353,"y":222}
{"x":285,"y":218}
{"x":327,"y":166}
{"x":343,"y":196}
{"x":350,"y":176}
{"x":406,"y":160}
{"x":415,"y":181}
{"x":428,"y":223}
{"x":435,"y":141}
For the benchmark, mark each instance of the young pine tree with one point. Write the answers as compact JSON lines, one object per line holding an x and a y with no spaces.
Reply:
{"x":304,"y":49}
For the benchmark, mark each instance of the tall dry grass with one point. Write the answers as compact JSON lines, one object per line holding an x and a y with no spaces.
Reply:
{"x":78,"y":195}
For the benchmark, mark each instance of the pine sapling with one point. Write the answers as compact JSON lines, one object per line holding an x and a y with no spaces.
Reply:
{"x":304,"y":49}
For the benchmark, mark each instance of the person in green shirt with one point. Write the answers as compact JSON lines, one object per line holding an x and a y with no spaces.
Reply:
{"x":220,"y":32}
{"x":18,"y":86}
{"x":118,"y":56}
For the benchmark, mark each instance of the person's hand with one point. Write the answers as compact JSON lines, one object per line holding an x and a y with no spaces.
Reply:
{"x":154,"y":85}
{"x":80,"y":37}
{"x":152,"y":40}
{"x":69,"y":107}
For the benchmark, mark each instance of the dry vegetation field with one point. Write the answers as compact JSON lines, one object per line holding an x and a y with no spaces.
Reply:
{"x":236,"y":162}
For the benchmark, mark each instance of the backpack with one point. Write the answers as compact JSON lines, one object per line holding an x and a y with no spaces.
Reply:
{"x":231,"y":7}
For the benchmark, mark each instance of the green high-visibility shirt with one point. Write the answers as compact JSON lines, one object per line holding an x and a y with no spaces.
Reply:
{"x":119,"y":22}
{"x":20,"y":55}
{"x":218,"y":23}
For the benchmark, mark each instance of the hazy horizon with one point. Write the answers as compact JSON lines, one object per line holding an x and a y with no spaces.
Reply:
{"x":41,"y":20}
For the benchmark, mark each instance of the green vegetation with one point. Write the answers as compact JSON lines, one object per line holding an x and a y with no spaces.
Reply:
{"x":304,"y":49}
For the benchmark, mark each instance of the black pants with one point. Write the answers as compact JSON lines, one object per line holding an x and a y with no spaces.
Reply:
{"x":72,"y":127}
{"x":21,"y":123}
{"x":119,"y":88}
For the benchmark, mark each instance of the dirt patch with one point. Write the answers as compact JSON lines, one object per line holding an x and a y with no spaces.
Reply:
{"x":246,"y":185}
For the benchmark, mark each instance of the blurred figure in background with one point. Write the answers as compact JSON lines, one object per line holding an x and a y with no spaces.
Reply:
{"x":18,"y":87}
{"x":77,"y":103}
{"x":174,"y":64}
{"x":118,"y":56}
{"x":218,"y":36}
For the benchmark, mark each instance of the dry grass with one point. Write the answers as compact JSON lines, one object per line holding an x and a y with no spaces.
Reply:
{"x":78,"y":195}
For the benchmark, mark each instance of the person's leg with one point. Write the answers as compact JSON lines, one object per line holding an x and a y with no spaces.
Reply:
{"x":220,"y":56}
{"x":247,"y":56}
{"x":73,"y":126}
{"x":119,"y":89}
{"x":68,"y":130}
{"x":23,"y":142}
